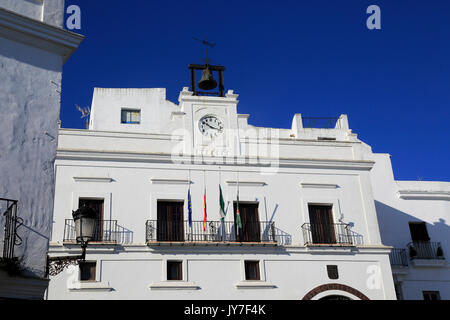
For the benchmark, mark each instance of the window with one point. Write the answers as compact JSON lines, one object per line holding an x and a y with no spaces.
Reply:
{"x":87,"y":271}
{"x":332,"y":271}
{"x":97,"y":205}
{"x":174,"y":270}
{"x":131,"y":116}
{"x":322,"y":226}
{"x":251,"y":270}
{"x":418,"y":231}
{"x":250,"y":231}
{"x":170,"y":221}
{"x":431,"y":295}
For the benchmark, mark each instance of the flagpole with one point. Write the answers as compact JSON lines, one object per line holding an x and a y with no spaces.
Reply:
{"x":238,"y":216}
{"x":204,"y":202}
{"x":190,"y":205}
{"x":222,"y":225}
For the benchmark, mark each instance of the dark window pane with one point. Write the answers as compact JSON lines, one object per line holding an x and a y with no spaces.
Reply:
{"x":418,"y":231}
{"x":252,"y":270}
{"x":174,"y":270}
{"x":87,"y":271}
{"x":431,"y":295}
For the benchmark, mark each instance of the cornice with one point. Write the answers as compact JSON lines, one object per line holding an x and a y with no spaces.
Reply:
{"x":38,"y":34}
{"x":423,"y":195}
{"x":88,"y":155}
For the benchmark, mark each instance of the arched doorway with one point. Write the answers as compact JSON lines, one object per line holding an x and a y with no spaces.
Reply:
{"x":333,"y":295}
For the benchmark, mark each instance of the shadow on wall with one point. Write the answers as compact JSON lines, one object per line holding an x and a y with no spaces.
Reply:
{"x":394,"y":227}
{"x":124,"y":235}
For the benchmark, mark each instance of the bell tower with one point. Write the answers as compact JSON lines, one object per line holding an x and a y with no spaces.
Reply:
{"x":207,"y":81}
{"x":209,"y":113}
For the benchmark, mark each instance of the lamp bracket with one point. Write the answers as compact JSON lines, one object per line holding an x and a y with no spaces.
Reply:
{"x":55,"y":265}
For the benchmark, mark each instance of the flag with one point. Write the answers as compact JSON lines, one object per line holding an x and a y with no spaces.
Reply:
{"x":222,"y":204}
{"x":238,"y":216}
{"x":189,"y":208}
{"x":204,"y":218}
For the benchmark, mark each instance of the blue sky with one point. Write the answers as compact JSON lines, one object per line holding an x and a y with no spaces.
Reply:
{"x":282,"y":57}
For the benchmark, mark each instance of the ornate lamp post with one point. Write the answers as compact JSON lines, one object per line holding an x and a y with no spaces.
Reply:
{"x":85,"y":221}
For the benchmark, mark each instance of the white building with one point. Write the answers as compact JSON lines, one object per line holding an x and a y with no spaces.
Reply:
{"x":414,"y":214}
{"x":320,"y":211}
{"x":33,"y":49}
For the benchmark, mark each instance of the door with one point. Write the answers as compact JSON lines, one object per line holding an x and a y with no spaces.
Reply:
{"x":250,"y":231}
{"x":170,"y":221}
{"x":322,"y":226}
{"x":421,"y":240}
{"x":97,"y":205}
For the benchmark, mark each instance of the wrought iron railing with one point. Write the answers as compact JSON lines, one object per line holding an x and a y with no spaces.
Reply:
{"x":321,"y":123}
{"x":398,"y":257}
{"x":425,"y":250}
{"x":215,"y":231}
{"x":333,"y":233}
{"x":11,"y":222}
{"x":105,"y":231}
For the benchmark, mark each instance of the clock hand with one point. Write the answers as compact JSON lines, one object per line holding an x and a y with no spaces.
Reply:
{"x":215,"y":128}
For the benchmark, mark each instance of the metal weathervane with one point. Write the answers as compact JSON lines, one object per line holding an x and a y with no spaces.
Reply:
{"x":206,"y":44}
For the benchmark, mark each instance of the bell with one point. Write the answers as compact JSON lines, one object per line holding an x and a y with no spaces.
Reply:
{"x":207,"y":82}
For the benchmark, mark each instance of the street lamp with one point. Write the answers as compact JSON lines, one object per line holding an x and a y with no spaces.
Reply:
{"x":85,"y":219}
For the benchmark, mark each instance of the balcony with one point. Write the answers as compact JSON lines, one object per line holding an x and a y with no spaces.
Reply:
{"x":327,"y":234}
{"x":398,"y":257}
{"x":106,"y":231}
{"x":9,"y":222}
{"x":426,"y":253}
{"x":160,"y":232}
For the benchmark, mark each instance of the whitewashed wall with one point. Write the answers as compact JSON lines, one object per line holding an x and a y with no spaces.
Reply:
{"x":48,"y":11}
{"x":29,"y":117}
{"x":124,"y":165}
{"x":33,"y":48}
{"x":401,"y":202}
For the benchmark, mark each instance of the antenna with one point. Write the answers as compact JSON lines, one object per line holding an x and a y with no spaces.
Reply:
{"x":206,"y":43}
{"x":85,"y":113}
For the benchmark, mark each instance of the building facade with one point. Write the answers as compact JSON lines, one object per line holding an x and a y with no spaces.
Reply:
{"x":414,"y":219}
{"x":308,"y":200}
{"x":33,"y":48}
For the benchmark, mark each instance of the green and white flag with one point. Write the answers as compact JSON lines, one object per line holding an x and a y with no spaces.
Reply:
{"x":222,"y":204}
{"x":238,"y":215}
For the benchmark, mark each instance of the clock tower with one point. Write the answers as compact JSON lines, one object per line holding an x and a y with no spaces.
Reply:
{"x":210,"y":124}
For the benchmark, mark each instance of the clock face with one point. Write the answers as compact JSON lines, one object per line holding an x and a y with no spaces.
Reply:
{"x":210,"y":126}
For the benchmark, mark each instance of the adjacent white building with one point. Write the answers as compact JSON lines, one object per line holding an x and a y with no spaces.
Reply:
{"x":414,"y":214}
{"x":320,"y":211}
{"x":33,"y":48}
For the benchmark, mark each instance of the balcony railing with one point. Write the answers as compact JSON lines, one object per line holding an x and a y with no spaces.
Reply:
{"x":398,"y":257}
{"x":10,"y":223}
{"x":106,"y":231}
{"x":216,"y":231}
{"x":425,"y":250}
{"x":333,"y":233}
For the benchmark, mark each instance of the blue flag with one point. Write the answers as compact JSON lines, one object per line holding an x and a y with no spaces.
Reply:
{"x":189,"y":208}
